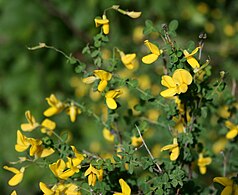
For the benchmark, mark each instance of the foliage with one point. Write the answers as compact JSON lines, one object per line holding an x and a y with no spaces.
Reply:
{"x":192,"y":113}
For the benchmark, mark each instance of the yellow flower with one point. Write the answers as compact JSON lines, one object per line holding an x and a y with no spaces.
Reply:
{"x":174,"y":148}
{"x":230,"y":187}
{"x":60,"y":169}
{"x":73,"y":111}
{"x":14,"y":192}
{"x":104,"y":22}
{"x":77,"y":159}
{"x":233,"y":130}
{"x":56,"y":106}
{"x":92,"y":174}
{"x":47,"y":126}
{"x":110,"y":96}
{"x":38,"y":150}
{"x":45,"y":189}
{"x":108,"y":135}
{"x":133,"y":14}
{"x":104,"y":77}
{"x":125,"y":188}
{"x":17,"y":178}
{"x":203,"y":162}
{"x":136,"y":141}
{"x":22,"y":142}
{"x":31,"y":125}
{"x":176,"y":84}
{"x":72,"y":189}
{"x":155,"y":53}
{"x":129,"y":60}
{"x":190,"y":59}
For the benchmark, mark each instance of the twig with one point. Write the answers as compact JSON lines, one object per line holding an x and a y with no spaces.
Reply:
{"x":151,"y":156}
{"x":233,"y":89}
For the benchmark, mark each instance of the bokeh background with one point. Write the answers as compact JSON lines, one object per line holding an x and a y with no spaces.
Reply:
{"x":28,"y":77}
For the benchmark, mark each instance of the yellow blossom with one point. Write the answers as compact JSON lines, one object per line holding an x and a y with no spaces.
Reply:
{"x":14,"y":192}
{"x":17,"y":178}
{"x":136,"y":141}
{"x":133,"y":14}
{"x":230,"y":187}
{"x":176,"y":84}
{"x":31,"y":125}
{"x":22,"y":142}
{"x":73,"y":111}
{"x":104,"y":22}
{"x":60,"y":169}
{"x":203,"y":162}
{"x":174,"y":148}
{"x":38,"y":150}
{"x":104,"y":77}
{"x":233,"y":130}
{"x":190,"y":59}
{"x":110,"y":96}
{"x":129,"y":60}
{"x":155,"y":53}
{"x":92,"y":174}
{"x":47,"y":126}
{"x":108,"y":135}
{"x":44,"y":188}
{"x":56,"y":106}
{"x":125,"y":188}
{"x":77,"y":159}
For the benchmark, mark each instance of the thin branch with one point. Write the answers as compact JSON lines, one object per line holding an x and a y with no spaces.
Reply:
{"x":233,"y":89}
{"x":151,"y":156}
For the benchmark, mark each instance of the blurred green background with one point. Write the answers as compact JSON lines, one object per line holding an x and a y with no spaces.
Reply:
{"x":27,"y":77}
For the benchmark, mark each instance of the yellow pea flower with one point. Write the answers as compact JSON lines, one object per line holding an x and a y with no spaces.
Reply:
{"x":60,"y":169}
{"x":44,"y":188}
{"x":47,"y":126}
{"x":136,"y":141}
{"x":110,"y":96}
{"x":129,"y":60}
{"x":92,"y":174}
{"x":14,"y":192}
{"x":104,"y":22}
{"x":155,"y":53}
{"x":22,"y":142}
{"x":108,"y":135}
{"x":38,"y":150}
{"x":190,"y":59}
{"x":203,"y":162}
{"x":174,"y":148}
{"x":73,"y":111}
{"x":17,"y":178}
{"x":72,"y":189}
{"x":176,"y":84}
{"x":233,"y":130}
{"x":56,"y":106}
{"x":125,"y":188}
{"x":31,"y":125}
{"x":230,"y":187}
{"x":78,"y":158}
{"x":104,"y":77}
{"x":133,"y":14}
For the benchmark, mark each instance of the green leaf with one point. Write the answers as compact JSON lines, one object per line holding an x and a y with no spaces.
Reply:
{"x":173,"y":25}
{"x":80,"y":68}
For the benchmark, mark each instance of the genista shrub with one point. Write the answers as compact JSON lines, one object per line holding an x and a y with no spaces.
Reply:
{"x":169,"y":119}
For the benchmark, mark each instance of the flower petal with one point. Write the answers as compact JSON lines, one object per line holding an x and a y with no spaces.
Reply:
{"x":232,"y":134}
{"x":111,"y":103}
{"x":152,"y":47}
{"x":126,"y":190}
{"x":149,"y":59}
{"x":102,"y":85}
{"x":167,"y":81}
{"x":223,"y":181}
{"x":168,"y":92}
{"x":89,"y":80}
{"x":45,"y":189}
{"x":175,"y":153}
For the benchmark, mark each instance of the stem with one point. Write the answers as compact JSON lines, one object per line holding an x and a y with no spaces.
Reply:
{"x":224,"y":163}
{"x":151,"y":156}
